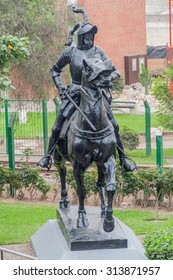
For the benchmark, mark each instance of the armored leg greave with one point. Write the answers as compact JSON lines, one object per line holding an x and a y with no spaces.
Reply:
{"x":45,"y":161}
{"x":126,"y":165}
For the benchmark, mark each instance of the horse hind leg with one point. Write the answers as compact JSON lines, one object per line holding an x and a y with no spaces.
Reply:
{"x":101,"y":189}
{"x":110,"y":169}
{"x":60,"y":165}
{"x":78,"y":171}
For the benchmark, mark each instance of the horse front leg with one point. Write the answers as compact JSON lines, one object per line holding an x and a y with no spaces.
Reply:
{"x":109,"y":170}
{"x":60,"y":165}
{"x":101,"y":189}
{"x":78,"y":171}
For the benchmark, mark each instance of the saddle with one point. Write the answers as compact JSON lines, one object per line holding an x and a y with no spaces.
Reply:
{"x":66,"y":125}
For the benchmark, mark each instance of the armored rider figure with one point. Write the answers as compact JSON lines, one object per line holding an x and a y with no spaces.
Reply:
{"x":74,"y":56}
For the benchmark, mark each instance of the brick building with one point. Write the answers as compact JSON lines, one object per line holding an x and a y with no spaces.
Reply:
{"x":121,"y":27}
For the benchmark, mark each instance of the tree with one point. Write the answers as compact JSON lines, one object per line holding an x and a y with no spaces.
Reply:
{"x":12,"y":50}
{"x":45,"y":24}
{"x":162,"y":88}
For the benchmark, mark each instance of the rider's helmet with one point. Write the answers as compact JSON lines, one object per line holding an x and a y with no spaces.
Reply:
{"x":86,"y":31}
{"x":85,"y":36}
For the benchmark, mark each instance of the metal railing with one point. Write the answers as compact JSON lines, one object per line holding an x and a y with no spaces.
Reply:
{"x":15,"y":253}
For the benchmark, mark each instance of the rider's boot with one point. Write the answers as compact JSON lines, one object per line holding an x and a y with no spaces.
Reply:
{"x":46,"y":161}
{"x":126,"y":165}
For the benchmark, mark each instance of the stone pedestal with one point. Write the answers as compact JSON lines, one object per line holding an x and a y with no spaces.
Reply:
{"x":60,"y":239}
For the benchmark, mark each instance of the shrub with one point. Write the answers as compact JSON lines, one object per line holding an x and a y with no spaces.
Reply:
{"x":27,"y":180}
{"x":145,"y":78}
{"x":4,"y":176}
{"x":118,"y":85}
{"x":130,"y":138}
{"x":90,"y":180}
{"x":162,"y":89}
{"x":30,"y":180}
{"x":8,"y":180}
{"x":159,"y":245}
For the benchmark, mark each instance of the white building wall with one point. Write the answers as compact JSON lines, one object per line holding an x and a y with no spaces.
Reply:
{"x":157,"y":24}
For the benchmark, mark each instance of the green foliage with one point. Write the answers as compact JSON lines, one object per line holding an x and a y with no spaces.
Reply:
{"x":162,"y":90}
{"x":145,"y":78}
{"x":150,"y":181}
{"x":130,"y":138}
{"x":5,"y":175}
{"x":118,"y":85}
{"x":90,"y":179}
{"x":30,"y":180}
{"x":12,"y":50}
{"x":46,"y":27}
{"x":2,"y":103}
{"x":25,"y":181}
{"x":159,"y":245}
{"x":131,"y":184}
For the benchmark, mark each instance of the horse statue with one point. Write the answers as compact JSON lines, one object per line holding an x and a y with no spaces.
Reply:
{"x":90,"y":139}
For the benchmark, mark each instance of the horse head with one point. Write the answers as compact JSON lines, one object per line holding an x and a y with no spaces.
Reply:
{"x":96,"y":73}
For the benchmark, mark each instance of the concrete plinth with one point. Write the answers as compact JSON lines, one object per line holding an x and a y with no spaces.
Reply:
{"x":60,"y":239}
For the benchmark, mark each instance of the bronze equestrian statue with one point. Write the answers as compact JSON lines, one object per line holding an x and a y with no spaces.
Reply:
{"x":73,"y":118}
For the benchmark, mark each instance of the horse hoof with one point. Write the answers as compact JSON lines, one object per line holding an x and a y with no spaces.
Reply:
{"x":64,"y":204}
{"x":81,"y":223}
{"x":108,"y":226}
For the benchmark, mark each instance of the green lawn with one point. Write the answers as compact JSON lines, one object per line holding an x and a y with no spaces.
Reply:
{"x":34,"y":125}
{"x":32,"y":128}
{"x":139,"y":156}
{"x":136,"y":122}
{"x":144,"y":222}
{"x":20,"y":221}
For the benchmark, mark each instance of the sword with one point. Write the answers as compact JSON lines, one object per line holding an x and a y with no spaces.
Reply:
{"x":77,"y":107}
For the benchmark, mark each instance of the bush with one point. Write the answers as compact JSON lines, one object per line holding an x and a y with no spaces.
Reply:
{"x":5,"y":174}
{"x":30,"y":180}
{"x":118,"y":85}
{"x":159,"y":245}
{"x":130,"y":138}
{"x":27,"y":180}
{"x":90,"y":180}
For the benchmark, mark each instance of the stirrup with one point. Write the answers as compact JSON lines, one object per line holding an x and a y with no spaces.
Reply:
{"x":130,"y":167}
{"x":48,"y":164}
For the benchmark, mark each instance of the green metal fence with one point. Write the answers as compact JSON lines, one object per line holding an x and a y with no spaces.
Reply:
{"x":3,"y":132}
{"x":34,"y":120}
{"x":32,"y":126}
{"x":155,"y":148}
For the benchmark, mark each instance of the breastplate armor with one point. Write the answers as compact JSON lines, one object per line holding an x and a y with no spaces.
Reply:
{"x":76,"y":63}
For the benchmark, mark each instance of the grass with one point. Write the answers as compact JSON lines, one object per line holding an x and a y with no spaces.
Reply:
{"x":136,"y":122}
{"x":144,"y":222}
{"x":34,"y":126}
{"x":20,"y":221}
{"x":139,"y":156}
